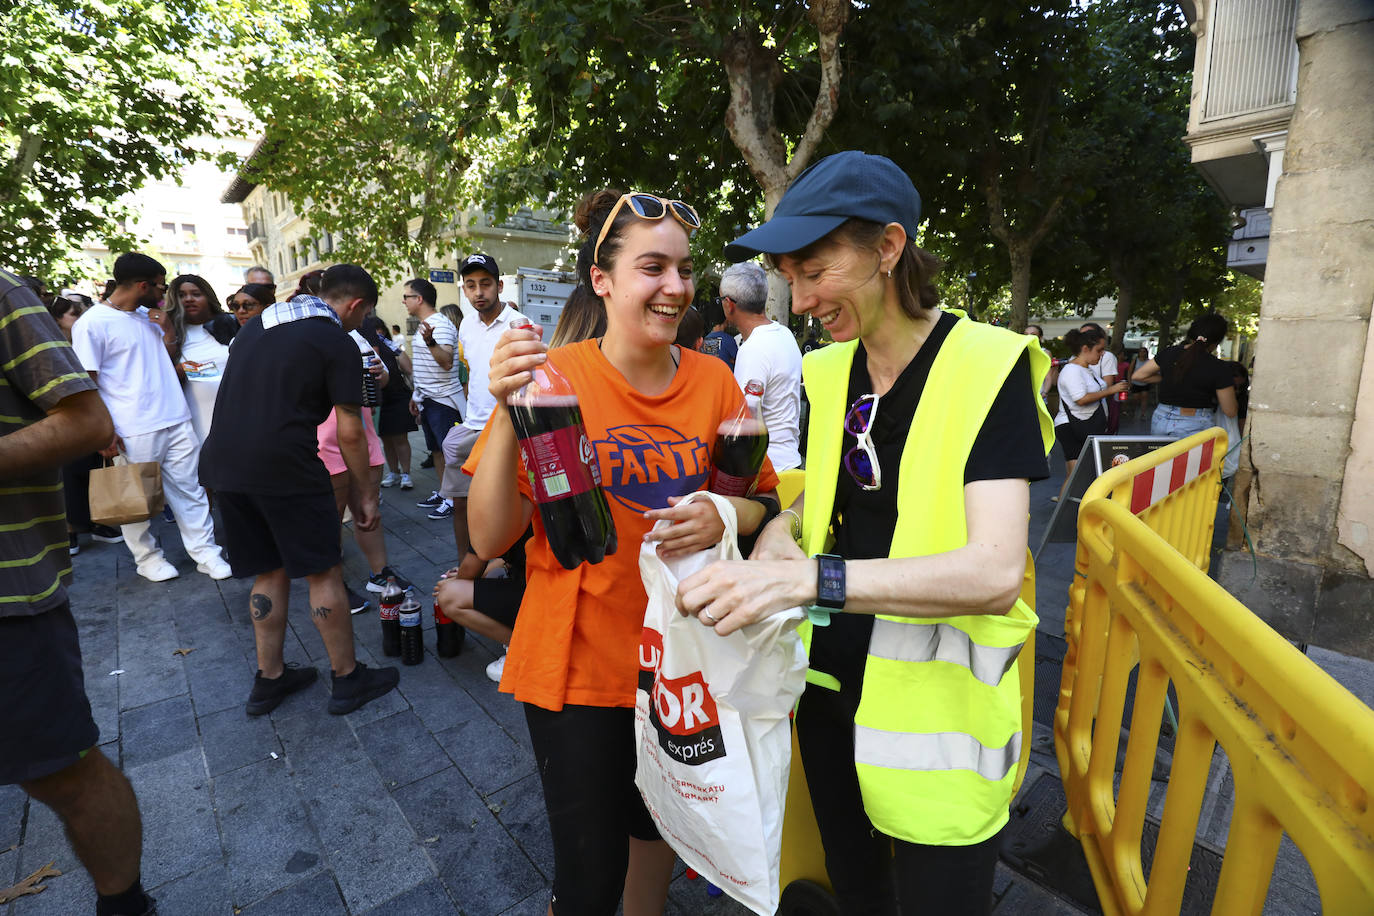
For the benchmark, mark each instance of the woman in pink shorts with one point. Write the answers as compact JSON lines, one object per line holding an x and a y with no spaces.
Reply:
{"x":347,"y":495}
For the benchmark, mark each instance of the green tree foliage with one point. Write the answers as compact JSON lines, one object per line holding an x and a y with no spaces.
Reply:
{"x":710,"y":102}
{"x":985,"y":104}
{"x":378,"y":148}
{"x":96,"y":99}
{"x":1152,"y":225}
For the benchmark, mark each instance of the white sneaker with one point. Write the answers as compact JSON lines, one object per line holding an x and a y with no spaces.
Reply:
{"x":495,"y":669}
{"x":406,"y":482}
{"x":391,"y":479}
{"x":215,"y":569}
{"x":158,"y":570}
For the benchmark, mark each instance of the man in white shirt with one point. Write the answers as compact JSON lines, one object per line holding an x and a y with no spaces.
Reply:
{"x":124,"y":344}
{"x":438,"y":397}
{"x":768,"y":353}
{"x":1108,"y":372}
{"x":477,"y":337}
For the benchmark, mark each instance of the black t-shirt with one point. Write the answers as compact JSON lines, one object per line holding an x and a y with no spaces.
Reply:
{"x":278,"y":387}
{"x":1008,"y":446}
{"x":1199,"y":385}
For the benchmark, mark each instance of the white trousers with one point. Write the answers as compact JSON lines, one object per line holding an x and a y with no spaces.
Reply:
{"x":177,"y":449}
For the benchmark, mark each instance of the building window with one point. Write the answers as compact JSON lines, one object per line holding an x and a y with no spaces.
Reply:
{"x":188,"y":228}
{"x":281,"y":263}
{"x":170,"y":227}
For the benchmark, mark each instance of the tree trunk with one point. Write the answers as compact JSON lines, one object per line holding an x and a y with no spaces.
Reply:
{"x":1126,"y":285}
{"x":752,"y":73}
{"x":1020,"y":254}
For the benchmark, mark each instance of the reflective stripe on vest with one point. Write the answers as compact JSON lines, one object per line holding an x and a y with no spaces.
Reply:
{"x":940,"y":642}
{"x":936,"y":752}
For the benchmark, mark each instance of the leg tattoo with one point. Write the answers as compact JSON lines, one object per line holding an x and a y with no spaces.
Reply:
{"x":320,"y":613}
{"x":262,"y":606}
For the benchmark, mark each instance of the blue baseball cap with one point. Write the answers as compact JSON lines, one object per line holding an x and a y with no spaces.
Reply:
{"x":848,"y":185}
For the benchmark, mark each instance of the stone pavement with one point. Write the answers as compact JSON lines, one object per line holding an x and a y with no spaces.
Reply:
{"x":425,"y":801}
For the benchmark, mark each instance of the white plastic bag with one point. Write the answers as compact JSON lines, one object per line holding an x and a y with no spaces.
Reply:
{"x":1231,"y":463}
{"x":712,"y":728}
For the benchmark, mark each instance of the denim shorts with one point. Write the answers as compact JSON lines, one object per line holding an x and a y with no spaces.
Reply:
{"x":1169,"y":421}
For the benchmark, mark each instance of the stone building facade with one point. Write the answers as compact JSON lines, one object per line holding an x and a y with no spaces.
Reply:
{"x":1281,"y":124}
{"x":281,"y":239}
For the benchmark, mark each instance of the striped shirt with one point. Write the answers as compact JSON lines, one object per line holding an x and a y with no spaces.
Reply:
{"x":37,"y":370}
{"x":431,"y":380}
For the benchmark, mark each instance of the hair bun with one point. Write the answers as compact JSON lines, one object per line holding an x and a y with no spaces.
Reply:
{"x":593,"y":209}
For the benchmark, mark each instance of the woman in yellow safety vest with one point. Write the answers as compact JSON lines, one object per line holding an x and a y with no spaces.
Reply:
{"x":925,"y":429}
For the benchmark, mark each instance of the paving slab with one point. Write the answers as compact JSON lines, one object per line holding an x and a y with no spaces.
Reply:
{"x":269,"y":842}
{"x":317,"y":895}
{"x":428,"y":898}
{"x":204,"y":893}
{"x":402,"y":749}
{"x":180,"y":831}
{"x":157,"y":730}
{"x":232,"y":738}
{"x":482,"y":867}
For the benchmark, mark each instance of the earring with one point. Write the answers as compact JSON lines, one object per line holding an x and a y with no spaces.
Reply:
{"x":889,"y":273}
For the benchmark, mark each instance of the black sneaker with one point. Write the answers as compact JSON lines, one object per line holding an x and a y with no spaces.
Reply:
{"x":377,"y":581}
{"x":430,"y":501}
{"x":106,"y":534}
{"x":73,"y":545}
{"x":363,"y":685}
{"x":357,"y":603}
{"x":428,"y":462}
{"x":442,"y":511}
{"x":269,"y":692}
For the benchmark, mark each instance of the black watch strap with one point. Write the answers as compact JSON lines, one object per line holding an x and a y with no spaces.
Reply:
{"x":829,"y":581}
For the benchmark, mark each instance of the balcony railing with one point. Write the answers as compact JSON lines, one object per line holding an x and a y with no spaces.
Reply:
{"x":1253,"y":59}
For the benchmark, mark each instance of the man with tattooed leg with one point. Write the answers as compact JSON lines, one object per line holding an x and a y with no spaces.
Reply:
{"x":291,"y":366}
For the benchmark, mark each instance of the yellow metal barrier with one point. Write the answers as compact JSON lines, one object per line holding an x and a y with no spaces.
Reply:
{"x":1301,"y":747}
{"x":1174,"y":491}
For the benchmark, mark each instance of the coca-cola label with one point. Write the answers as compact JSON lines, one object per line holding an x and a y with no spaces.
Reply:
{"x":390,"y":611}
{"x":730,"y":485}
{"x":681,"y":710}
{"x":560,"y":463}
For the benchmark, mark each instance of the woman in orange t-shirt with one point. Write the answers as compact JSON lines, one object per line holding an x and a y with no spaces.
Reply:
{"x":651,"y":410}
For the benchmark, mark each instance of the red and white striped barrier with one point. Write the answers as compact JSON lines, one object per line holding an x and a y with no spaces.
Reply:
{"x":1152,"y":485}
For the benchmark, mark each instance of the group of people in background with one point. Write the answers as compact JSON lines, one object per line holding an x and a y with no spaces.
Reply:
{"x":925,"y":429}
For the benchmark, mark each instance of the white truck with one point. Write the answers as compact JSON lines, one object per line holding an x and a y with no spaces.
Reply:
{"x":542,"y":294}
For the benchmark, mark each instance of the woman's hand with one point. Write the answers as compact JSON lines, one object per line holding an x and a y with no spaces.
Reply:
{"x":696,"y":526}
{"x":775,"y":541}
{"x":518,"y":353}
{"x":730,"y":594}
{"x":1117,"y":388}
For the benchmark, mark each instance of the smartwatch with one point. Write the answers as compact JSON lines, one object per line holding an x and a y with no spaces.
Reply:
{"x":830,"y":581}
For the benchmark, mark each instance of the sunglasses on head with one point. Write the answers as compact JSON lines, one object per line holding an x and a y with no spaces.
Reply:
{"x":647,"y":207}
{"x":861,"y":461}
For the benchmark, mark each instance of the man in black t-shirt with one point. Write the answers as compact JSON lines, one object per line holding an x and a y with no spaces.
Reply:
{"x":288,"y":368}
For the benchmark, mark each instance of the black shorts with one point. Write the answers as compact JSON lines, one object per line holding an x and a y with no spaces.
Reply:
{"x":586,"y":760}
{"x":1069,"y":441}
{"x":394,"y":419}
{"x":46,"y":718}
{"x":499,"y":599}
{"x":298,"y":533}
{"x":436,"y":420}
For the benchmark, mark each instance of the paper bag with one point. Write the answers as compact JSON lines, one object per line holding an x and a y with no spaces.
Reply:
{"x":712,"y":728}
{"x":124,"y":493}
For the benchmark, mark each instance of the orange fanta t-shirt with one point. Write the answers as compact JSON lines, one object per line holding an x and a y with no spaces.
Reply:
{"x":577,"y":637}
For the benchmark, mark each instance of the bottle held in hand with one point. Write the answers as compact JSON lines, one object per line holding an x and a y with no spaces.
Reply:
{"x":741,"y":445}
{"x":412,"y":638}
{"x":392,"y":596}
{"x":562,"y":467}
{"x":371,"y":395}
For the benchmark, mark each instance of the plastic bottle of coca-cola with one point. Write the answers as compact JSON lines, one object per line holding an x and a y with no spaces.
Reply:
{"x":412,"y":638}
{"x":392,"y":596}
{"x":448,"y":636}
{"x":741,"y":445}
{"x":562,"y":467}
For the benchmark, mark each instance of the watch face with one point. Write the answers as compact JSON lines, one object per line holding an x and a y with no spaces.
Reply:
{"x":830,"y":588}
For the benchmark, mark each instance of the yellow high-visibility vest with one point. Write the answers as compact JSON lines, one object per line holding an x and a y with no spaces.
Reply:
{"x":938,"y":730}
